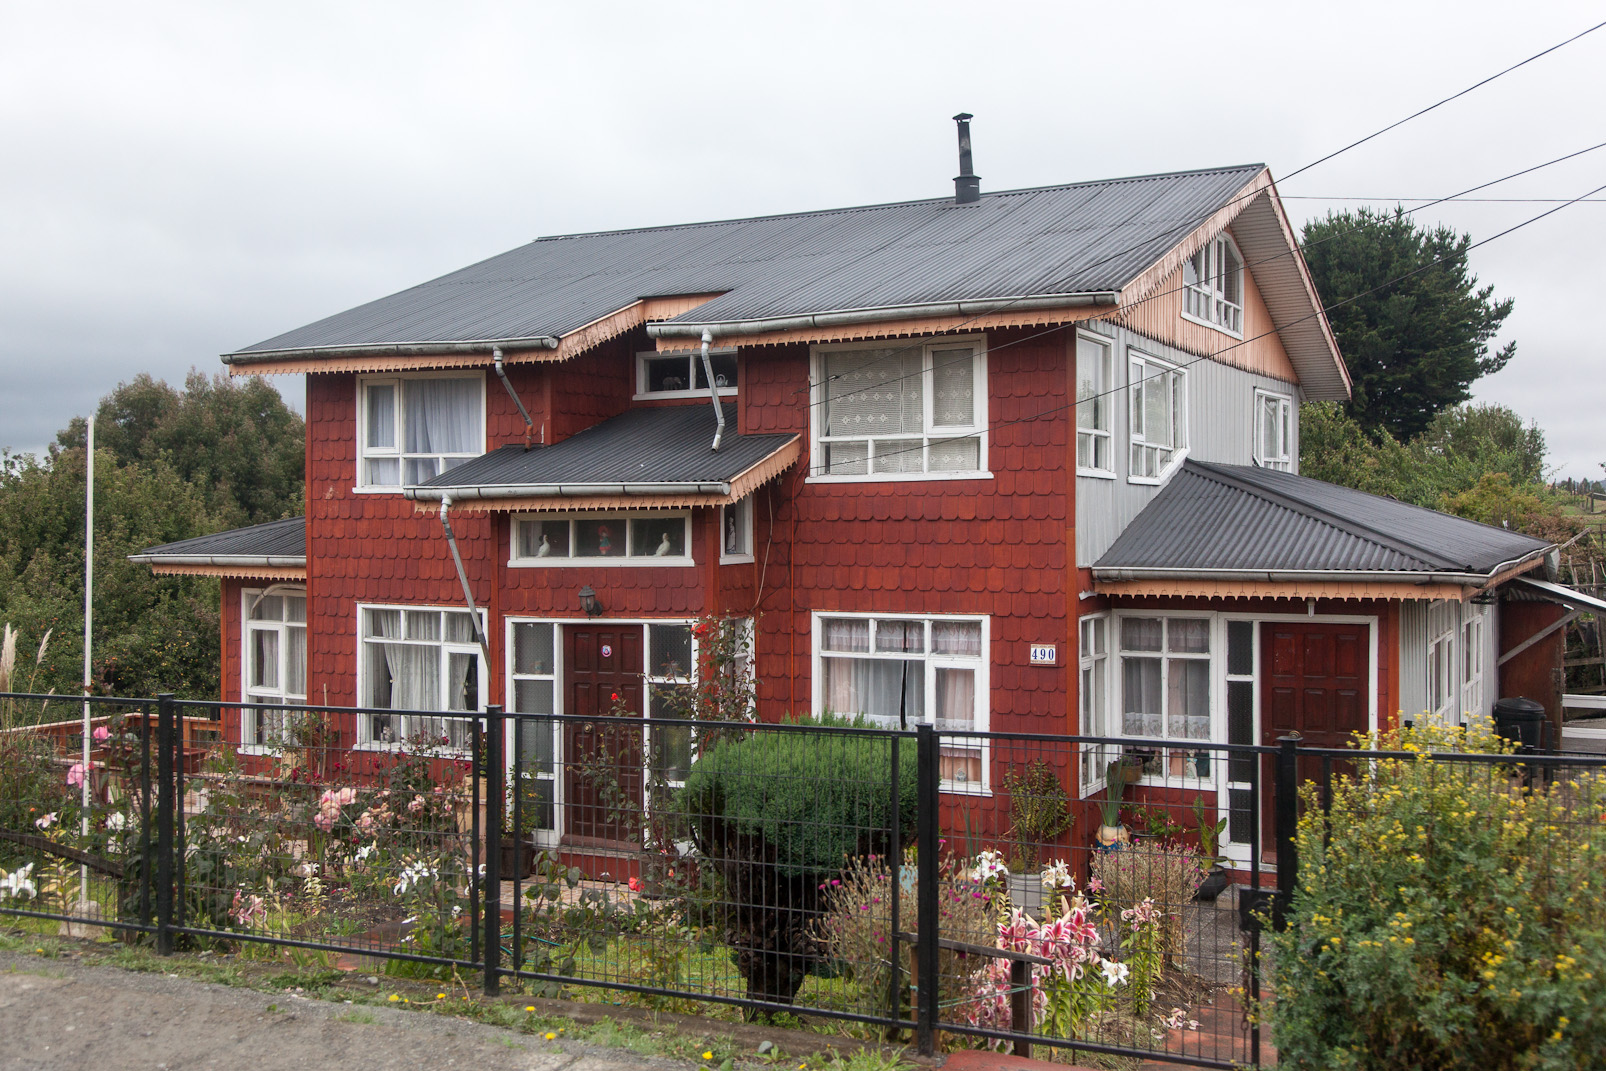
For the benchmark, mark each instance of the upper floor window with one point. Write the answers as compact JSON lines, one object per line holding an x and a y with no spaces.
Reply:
{"x":1274,"y":431}
{"x":1159,"y":395}
{"x":275,"y":665}
{"x":681,"y":375}
{"x":1213,"y":286}
{"x":655,"y":539}
{"x":413,"y":428}
{"x":1094,"y":449}
{"x":901,"y":411}
{"x":736,"y":531}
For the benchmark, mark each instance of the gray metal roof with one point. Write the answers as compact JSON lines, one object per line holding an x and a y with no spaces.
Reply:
{"x":1081,"y":239}
{"x":658,"y":449}
{"x":1213,"y":519}
{"x":274,"y":543}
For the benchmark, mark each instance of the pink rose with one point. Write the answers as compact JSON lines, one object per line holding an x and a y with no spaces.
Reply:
{"x":75,"y":774}
{"x":102,"y":735}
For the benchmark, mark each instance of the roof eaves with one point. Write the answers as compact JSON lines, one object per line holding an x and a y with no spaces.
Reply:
{"x":838,"y":317}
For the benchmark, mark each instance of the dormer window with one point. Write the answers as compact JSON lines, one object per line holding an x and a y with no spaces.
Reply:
{"x":413,"y":428}
{"x":681,"y":375}
{"x":1213,"y":286}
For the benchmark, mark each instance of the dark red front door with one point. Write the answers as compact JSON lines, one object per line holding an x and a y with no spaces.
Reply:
{"x":602,"y":753}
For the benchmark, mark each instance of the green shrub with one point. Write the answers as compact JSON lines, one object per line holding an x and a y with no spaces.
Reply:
{"x":1445,"y":917}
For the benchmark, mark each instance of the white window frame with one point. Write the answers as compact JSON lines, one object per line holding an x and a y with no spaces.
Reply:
{"x":627,"y":558}
{"x":910,"y":442}
{"x":1474,"y":631}
{"x":1093,"y":678}
{"x":253,"y":696}
{"x":406,"y":731}
{"x":365,"y":453}
{"x":553,"y":676}
{"x":1443,"y":665}
{"x":1283,"y":460}
{"x":1205,"y":300}
{"x":739,"y":514}
{"x":980,"y":665}
{"x":1106,"y":397}
{"x":1146,"y":372}
{"x":694,"y":360}
{"x":1215,"y":698}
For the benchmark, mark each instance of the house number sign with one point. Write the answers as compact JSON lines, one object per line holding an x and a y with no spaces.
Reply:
{"x":1044,"y":654}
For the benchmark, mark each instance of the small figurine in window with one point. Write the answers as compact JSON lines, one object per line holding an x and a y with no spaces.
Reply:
{"x":544,"y":549}
{"x":664,"y":549}
{"x":730,"y":534}
{"x":604,"y":540}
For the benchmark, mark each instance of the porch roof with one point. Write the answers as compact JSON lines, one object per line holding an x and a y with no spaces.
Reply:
{"x":656,"y":457}
{"x":1241,"y":523}
{"x":276,"y":550}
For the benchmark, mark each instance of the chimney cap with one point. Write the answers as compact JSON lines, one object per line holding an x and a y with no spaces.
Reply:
{"x":963,"y":117}
{"x":967,"y":184}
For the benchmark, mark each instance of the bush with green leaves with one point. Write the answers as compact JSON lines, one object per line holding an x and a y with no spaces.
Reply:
{"x":1446,"y":916}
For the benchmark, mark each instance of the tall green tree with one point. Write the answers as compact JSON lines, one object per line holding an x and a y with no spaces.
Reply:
{"x":1415,"y":346}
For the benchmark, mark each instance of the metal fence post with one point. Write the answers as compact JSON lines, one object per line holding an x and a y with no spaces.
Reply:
{"x":164,"y":822}
{"x":926,"y":812}
{"x":1286,"y":805}
{"x":491,"y":885}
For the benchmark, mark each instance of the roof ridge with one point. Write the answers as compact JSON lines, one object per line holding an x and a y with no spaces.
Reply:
{"x":947,"y":199}
{"x":1348,"y":525}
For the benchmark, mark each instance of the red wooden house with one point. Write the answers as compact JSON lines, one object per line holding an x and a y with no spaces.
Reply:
{"x":1013,"y":461}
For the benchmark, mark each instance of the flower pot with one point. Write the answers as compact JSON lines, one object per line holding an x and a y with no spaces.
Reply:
{"x":516,"y":858}
{"x":1113,"y":836}
{"x":1214,"y":884}
{"x":1026,"y":893}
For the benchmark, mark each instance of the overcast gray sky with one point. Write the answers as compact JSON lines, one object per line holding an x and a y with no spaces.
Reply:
{"x":180,"y":180}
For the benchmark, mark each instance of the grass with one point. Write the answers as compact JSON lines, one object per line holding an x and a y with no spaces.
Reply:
{"x":701,"y":1041}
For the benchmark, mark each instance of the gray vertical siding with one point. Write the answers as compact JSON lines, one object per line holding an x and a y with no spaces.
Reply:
{"x":1413,"y":657}
{"x":1220,"y":428}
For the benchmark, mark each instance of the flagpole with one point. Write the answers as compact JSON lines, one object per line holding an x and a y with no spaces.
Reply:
{"x":89,"y":590}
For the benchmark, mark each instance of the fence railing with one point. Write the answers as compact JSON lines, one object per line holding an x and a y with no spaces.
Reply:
{"x":918,"y":881}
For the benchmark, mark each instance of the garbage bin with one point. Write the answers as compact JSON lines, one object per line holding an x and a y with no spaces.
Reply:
{"x":1522,"y":721}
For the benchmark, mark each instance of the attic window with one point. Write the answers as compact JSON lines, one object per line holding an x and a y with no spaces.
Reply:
{"x":1213,"y":286}
{"x":681,"y":375}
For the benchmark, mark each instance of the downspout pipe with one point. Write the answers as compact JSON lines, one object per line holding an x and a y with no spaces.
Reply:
{"x":713,"y":390}
{"x":462,"y":577}
{"x":529,"y":425}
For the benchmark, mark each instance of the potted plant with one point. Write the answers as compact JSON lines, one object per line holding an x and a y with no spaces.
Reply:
{"x":1117,"y":775}
{"x":517,"y":846}
{"x":1210,"y":829}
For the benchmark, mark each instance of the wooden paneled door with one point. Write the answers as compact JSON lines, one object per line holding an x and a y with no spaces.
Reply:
{"x":602,"y":752}
{"x":1314,"y":680}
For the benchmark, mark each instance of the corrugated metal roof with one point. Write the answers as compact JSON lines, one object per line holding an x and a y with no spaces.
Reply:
{"x":1083,"y":238}
{"x":284,"y":539}
{"x":1239,"y":517}
{"x":642,"y":447}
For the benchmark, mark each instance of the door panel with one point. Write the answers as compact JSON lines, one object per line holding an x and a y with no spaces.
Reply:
{"x":602,"y":754}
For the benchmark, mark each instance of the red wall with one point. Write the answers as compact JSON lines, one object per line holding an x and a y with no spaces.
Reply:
{"x":1535,"y":673}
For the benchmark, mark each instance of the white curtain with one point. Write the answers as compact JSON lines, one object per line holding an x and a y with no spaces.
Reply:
{"x":442,"y":416}
{"x":846,"y":634}
{"x":871,"y":687}
{"x":956,"y":698}
{"x":1140,"y":693}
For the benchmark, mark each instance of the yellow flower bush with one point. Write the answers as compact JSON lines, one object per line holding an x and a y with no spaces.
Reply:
{"x":1446,"y":916}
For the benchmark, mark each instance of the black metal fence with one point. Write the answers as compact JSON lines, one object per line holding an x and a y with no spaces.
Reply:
{"x":916,"y":882}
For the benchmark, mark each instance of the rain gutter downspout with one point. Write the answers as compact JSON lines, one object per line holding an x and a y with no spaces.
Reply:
{"x":529,"y":425}
{"x":713,"y":391}
{"x":462,"y":577}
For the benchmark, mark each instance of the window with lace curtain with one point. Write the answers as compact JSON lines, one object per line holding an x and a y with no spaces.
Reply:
{"x":415,"y":661}
{"x":900,"y":411}
{"x":1165,"y":691}
{"x":411,"y":429}
{"x":902,"y":671}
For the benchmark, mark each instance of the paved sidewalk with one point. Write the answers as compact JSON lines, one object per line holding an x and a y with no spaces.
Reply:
{"x":61,"y":1015}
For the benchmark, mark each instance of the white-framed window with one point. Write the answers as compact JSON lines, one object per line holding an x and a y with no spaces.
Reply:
{"x":670,"y":654}
{"x":418,"y":659}
{"x":1243,"y":725}
{"x":1474,"y":625}
{"x":533,"y":670}
{"x":901,"y":671}
{"x":681,"y":375}
{"x":1274,"y":431}
{"x":1165,"y":691}
{"x":274,"y":666}
{"x":736,"y":531}
{"x":662,"y":539}
{"x":1159,"y":393}
{"x":1094,"y":401}
{"x":411,"y":429}
{"x":1213,"y":286}
{"x":900,"y":411}
{"x":1444,"y":622}
{"x":1093,"y":699}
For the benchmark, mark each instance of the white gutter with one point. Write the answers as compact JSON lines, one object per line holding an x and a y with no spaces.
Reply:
{"x":462,"y":577}
{"x":713,"y":393}
{"x":397,"y":349}
{"x":297,"y":561}
{"x":718,"y":329}
{"x":554,"y":490}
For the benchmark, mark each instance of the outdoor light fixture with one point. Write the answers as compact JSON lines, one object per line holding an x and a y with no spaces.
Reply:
{"x":588,"y":602}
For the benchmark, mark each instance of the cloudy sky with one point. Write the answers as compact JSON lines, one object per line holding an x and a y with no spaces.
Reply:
{"x":180,"y":180}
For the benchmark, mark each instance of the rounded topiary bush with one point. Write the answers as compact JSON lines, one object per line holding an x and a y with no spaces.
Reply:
{"x":778,"y":812}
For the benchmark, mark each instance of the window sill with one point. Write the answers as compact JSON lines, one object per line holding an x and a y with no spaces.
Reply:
{"x":736,"y":559}
{"x":261,"y":749}
{"x":606,"y":562}
{"x":901,"y":477}
{"x":1213,"y":326}
{"x":1097,"y":474}
{"x":1165,"y":473}
{"x":443,"y":751}
{"x":671,"y":395}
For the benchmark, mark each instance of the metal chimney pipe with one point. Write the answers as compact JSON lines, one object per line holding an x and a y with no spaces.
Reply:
{"x":967,"y":184}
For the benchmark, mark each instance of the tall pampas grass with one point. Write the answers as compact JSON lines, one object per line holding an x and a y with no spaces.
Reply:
{"x":8,"y":668}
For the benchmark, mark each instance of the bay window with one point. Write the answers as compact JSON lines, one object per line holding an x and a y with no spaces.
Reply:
{"x":900,"y":411}
{"x":1165,"y":691}
{"x":1093,"y":697}
{"x":274,"y":665}
{"x":417,"y":660}
{"x":1274,"y":431}
{"x":1159,"y":416}
{"x":902,"y":671}
{"x":413,"y":428}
